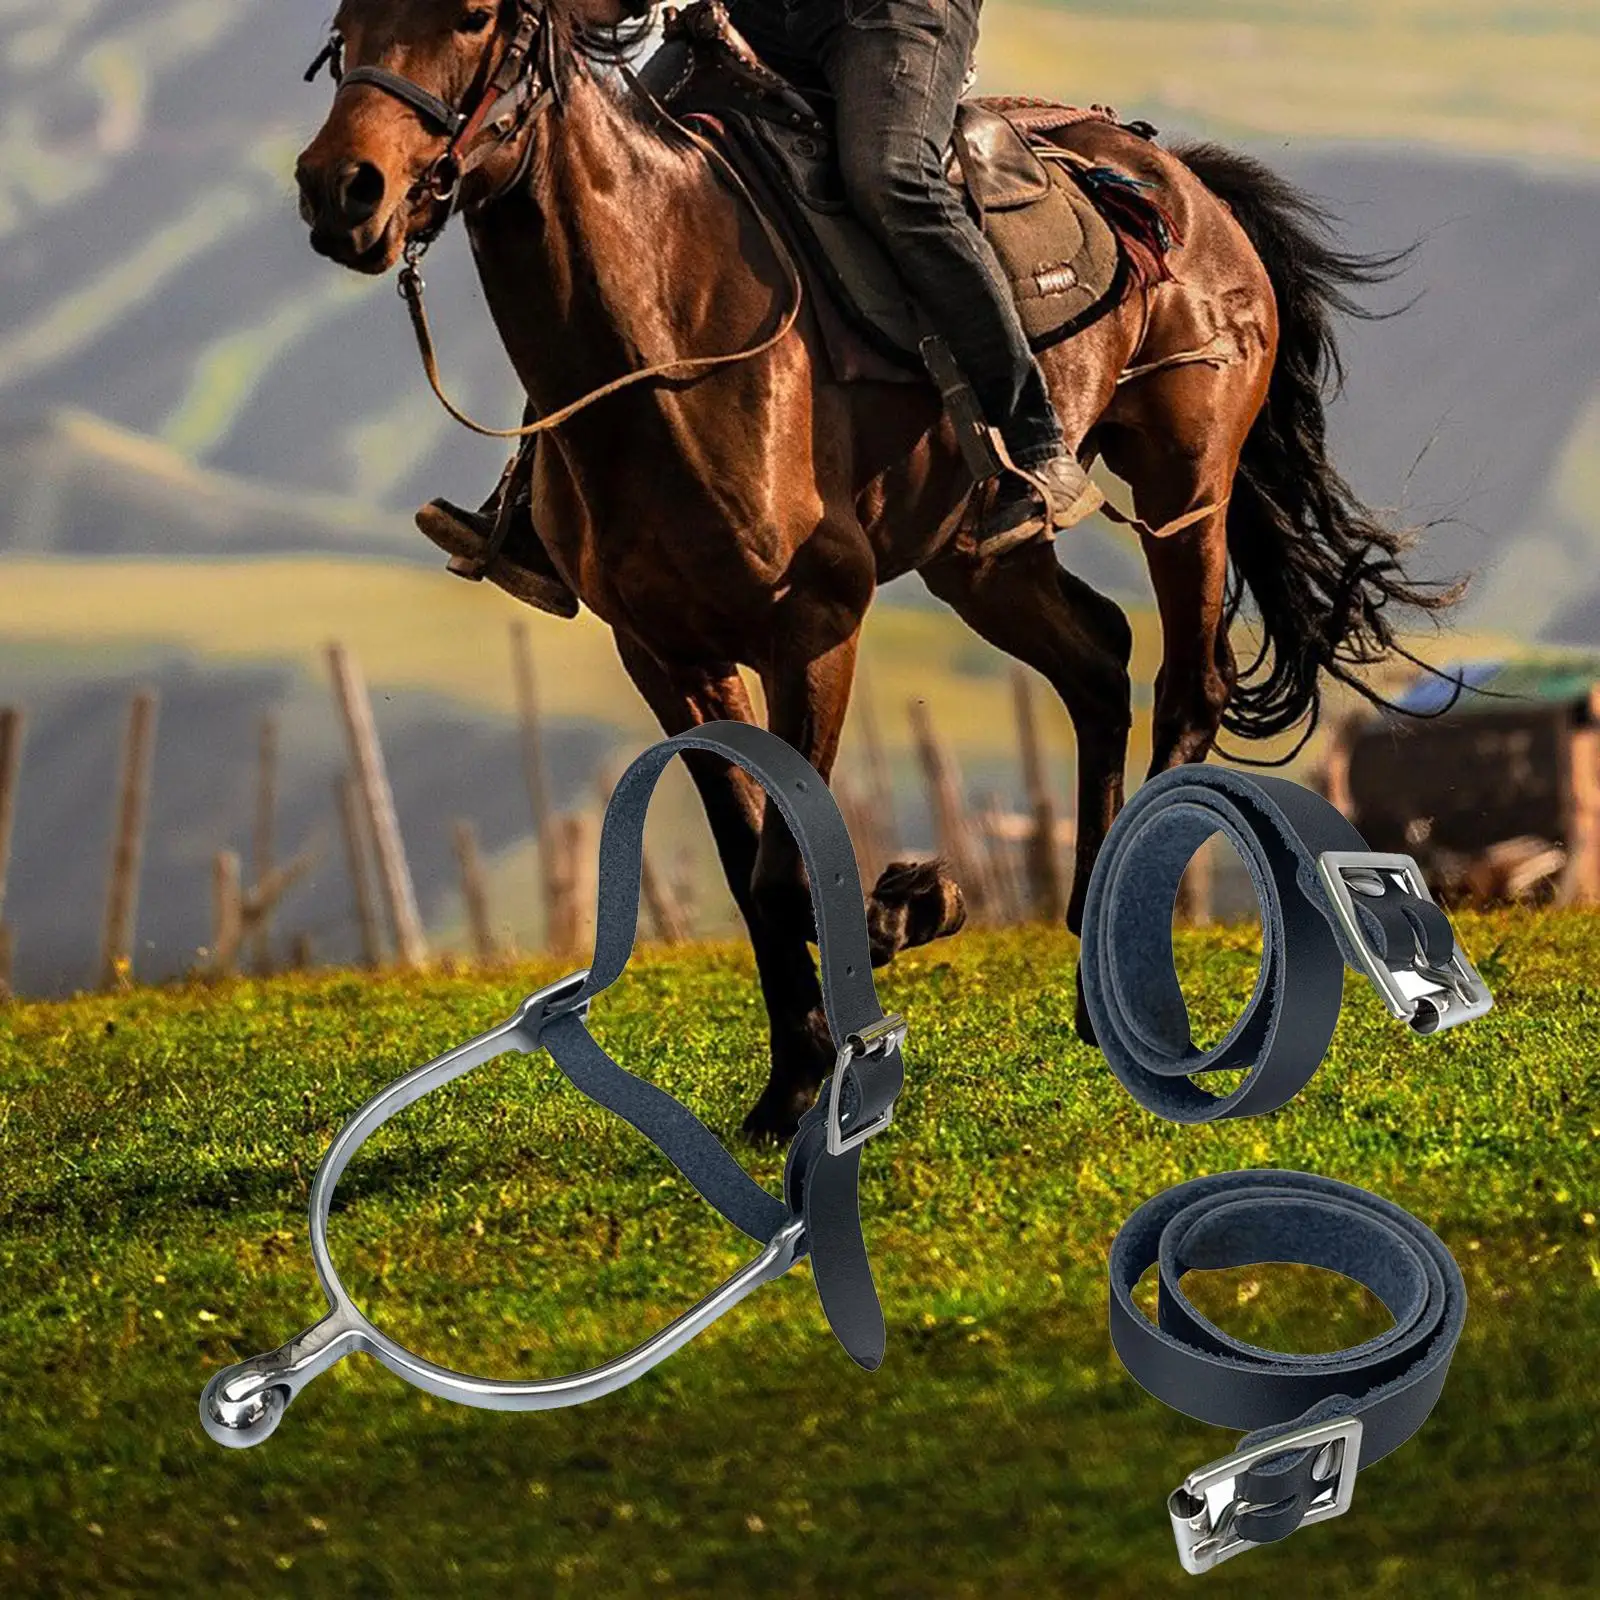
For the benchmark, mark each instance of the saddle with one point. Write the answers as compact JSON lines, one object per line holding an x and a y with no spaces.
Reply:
{"x":1042,"y":209}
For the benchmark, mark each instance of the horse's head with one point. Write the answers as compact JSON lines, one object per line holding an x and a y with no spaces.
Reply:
{"x":422,"y":86}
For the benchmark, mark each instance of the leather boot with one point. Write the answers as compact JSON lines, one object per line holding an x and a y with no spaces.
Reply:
{"x":465,"y":535}
{"x":1037,"y":502}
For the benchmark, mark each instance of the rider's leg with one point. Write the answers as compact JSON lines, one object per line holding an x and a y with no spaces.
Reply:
{"x":524,"y":568}
{"x":896,"y":69}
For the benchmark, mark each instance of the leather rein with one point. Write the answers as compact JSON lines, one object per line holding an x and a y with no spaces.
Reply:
{"x":507,"y":102}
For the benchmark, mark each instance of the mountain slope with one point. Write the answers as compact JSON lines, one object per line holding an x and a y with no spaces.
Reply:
{"x":73,"y":485}
{"x":152,"y":272}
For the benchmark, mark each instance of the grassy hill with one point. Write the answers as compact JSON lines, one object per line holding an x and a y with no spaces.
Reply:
{"x":160,"y":1145}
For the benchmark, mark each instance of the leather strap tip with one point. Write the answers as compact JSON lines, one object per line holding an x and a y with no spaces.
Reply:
{"x":869,"y":1357}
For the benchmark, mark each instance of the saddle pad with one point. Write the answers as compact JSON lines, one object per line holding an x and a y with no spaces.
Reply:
{"x":1061,"y":259}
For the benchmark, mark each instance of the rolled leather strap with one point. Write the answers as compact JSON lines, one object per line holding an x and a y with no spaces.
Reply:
{"x":1388,"y":1385}
{"x":819,"y":1184}
{"x":1391,"y":931}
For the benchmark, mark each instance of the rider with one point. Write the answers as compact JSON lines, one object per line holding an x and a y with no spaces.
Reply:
{"x":895,"y":70}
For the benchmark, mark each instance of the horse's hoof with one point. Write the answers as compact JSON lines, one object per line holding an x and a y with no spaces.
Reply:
{"x":1081,"y":1020}
{"x":776,"y":1115}
{"x":913,"y":903}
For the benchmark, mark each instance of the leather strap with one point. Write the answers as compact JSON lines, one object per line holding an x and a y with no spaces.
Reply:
{"x":1129,"y":983}
{"x":1389,"y":1384}
{"x":434,"y":111}
{"x":820,"y":1187}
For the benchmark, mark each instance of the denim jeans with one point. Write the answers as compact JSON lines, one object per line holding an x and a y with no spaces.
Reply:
{"x":895,"y":69}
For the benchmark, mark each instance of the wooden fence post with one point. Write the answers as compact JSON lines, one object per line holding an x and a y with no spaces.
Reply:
{"x":573,"y":885}
{"x":1580,"y":883}
{"x":883,"y":845}
{"x":535,"y":774}
{"x":655,"y":889}
{"x":1196,"y":889}
{"x":1046,"y":891}
{"x":685,"y":892}
{"x":862,"y":827}
{"x":127,"y":848}
{"x":264,"y":844}
{"x":377,"y":796}
{"x":474,"y":891}
{"x":227,"y":912}
{"x":11,"y":729}
{"x":348,"y":794}
{"x":951,"y":826}
{"x":1006,"y":889}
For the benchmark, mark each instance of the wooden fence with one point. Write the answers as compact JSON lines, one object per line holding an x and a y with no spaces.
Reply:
{"x":1010,"y":852}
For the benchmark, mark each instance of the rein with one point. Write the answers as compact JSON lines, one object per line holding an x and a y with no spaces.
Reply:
{"x":521,"y":88}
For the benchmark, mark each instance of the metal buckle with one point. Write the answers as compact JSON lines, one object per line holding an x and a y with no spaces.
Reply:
{"x":1205,"y":1508}
{"x":882,"y":1038}
{"x":1428,"y":998}
{"x":548,"y":1005}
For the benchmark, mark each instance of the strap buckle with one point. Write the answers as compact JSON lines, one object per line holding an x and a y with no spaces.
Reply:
{"x":1205,"y":1507}
{"x":550,"y":1004}
{"x":882,"y":1038}
{"x":1427,"y":997}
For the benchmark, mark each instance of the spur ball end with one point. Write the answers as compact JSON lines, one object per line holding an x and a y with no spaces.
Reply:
{"x":239,"y":1424}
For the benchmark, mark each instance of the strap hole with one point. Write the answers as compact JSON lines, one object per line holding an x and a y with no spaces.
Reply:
{"x":803,"y":786}
{"x":849,"y":972}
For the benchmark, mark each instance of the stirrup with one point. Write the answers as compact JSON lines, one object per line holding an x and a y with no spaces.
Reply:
{"x":819,"y":1213}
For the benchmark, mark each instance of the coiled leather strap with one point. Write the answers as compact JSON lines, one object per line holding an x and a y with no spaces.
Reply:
{"x":819,"y":1185}
{"x":1389,"y":1384}
{"x":1280,"y":830}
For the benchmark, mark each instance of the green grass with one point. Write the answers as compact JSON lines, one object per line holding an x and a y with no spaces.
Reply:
{"x":158,"y":1148}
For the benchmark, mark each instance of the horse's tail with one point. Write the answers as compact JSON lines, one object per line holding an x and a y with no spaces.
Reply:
{"x":1323,"y":570}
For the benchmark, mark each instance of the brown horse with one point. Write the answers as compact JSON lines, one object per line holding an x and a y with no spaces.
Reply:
{"x":745,"y":516}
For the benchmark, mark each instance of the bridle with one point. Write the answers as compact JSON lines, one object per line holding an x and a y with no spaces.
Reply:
{"x":504,"y":101}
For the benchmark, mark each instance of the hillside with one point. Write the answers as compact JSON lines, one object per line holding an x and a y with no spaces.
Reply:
{"x":153,"y":273}
{"x":158,"y":1152}
{"x":73,"y":485}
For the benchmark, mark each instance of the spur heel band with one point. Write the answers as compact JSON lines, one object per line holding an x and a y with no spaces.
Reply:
{"x":1313,"y":1421}
{"x":819,"y":1213}
{"x":1326,"y":902}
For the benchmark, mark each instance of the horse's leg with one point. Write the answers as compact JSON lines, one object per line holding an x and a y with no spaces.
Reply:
{"x":735,"y":804}
{"x":1177,"y":438}
{"x":1028,"y":606}
{"x":1189,"y":571}
{"x":807,"y":682}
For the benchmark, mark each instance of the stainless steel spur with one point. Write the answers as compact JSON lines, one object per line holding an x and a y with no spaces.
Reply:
{"x":818,"y":1214}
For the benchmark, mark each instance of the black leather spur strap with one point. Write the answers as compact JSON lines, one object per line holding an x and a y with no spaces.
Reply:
{"x":819,"y":1213}
{"x":1313,"y":1421}
{"x":1326,"y":901}
{"x":857,"y":1101}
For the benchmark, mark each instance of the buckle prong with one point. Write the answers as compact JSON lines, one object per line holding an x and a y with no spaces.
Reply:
{"x":1205,"y":1508}
{"x":883,"y":1037}
{"x":1427,"y":997}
